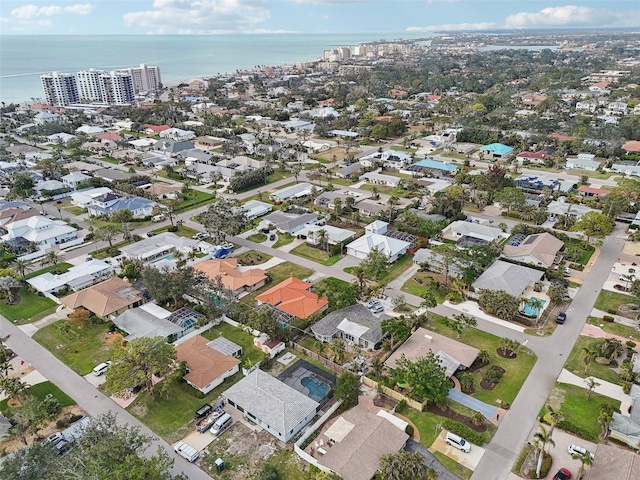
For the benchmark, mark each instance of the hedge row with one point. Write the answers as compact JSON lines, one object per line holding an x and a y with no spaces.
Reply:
{"x":464,"y":431}
{"x":576,"y":430}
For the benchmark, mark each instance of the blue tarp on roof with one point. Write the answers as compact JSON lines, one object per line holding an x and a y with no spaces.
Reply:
{"x":430,"y":163}
{"x":497,"y":148}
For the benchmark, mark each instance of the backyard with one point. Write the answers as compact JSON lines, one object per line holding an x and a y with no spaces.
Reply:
{"x":81,"y":346}
{"x":579,"y":411}
{"x":250,"y":353}
{"x":316,"y":254}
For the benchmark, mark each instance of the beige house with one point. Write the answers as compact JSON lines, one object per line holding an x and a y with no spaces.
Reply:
{"x":452,"y":353}
{"x":231,"y":277}
{"x":110,"y":297}
{"x":542,"y":249}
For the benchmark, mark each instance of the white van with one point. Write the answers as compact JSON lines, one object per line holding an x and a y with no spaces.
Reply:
{"x":157,"y":218}
{"x":100,"y":369}
{"x":221,"y":424}
{"x":457,"y":442}
{"x":187,"y":451}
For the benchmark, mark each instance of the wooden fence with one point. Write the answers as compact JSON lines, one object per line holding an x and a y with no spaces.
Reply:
{"x":334,"y":367}
{"x":393,"y":394}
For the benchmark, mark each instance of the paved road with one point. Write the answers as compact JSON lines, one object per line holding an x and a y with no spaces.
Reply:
{"x":86,"y":396}
{"x":520,"y":419}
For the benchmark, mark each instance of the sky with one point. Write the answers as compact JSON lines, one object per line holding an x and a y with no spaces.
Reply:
{"x":211,"y":17}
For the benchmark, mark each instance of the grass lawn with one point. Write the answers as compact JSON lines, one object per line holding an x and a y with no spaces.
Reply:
{"x":183,"y":231}
{"x":315,"y":254}
{"x":195,"y":198}
{"x":257,"y":237}
{"x":170,"y":415}
{"x":237,"y":336}
{"x":276,"y":176}
{"x":283,"y":239}
{"x":60,"y":268}
{"x":30,"y":305}
{"x":402,"y":264}
{"x":393,"y":192}
{"x":616,"y":328}
{"x":104,"y":252}
{"x":597,"y":175}
{"x":40,"y":391}
{"x":453,"y":466}
{"x":611,"y":300}
{"x":575,"y":362}
{"x":578,"y":248}
{"x":82,"y":348}
{"x":578,"y":410}
{"x":286,"y":461}
{"x":253,"y":257}
{"x":420,"y":283}
{"x":516,"y":370}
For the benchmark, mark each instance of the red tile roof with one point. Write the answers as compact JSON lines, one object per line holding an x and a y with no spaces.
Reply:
{"x":293,"y":297}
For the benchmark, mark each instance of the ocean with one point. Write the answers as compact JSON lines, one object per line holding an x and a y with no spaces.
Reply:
{"x":25,"y":58}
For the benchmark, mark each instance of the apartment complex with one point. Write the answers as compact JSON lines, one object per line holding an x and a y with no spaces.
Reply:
{"x":112,"y":87}
{"x":60,"y":88}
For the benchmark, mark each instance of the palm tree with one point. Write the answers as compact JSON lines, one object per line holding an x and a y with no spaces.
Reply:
{"x":478,"y":418}
{"x":53,"y":258}
{"x":467,"y":381}
{"x":21,"y":267}
{"x":542,"y":439}
{"x":484,"y":357}
{"x":528,"y":213}
{"x":555,"y":417}
{"x":612,"y":348}
{"x":585,"y":459}
{"x":360,"y":278}
{"x":323,"y":238}
{"x":604,"y":419}
{"x":376,"y":367}
{"x":591,"y":386}
{"x":336,"y":351}
{"x":589,"y":354}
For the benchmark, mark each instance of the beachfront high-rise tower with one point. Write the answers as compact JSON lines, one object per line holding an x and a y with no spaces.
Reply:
{"x":145,"y":78}
{"x":60,"y":89}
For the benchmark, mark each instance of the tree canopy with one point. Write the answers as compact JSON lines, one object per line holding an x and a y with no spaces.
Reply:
{"x":426,"y":376}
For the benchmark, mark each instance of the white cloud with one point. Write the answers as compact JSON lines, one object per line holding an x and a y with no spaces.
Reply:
{"x":568,"y":15}
{"x":27,"y":12}
{"x":201,"y":17}
{"x":448,"y":27}
{"x":331,"y":2}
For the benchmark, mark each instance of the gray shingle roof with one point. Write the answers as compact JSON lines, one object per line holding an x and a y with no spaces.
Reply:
{"x":508,"y":277}
{"x":355,"y":313}
{"x":271,"y":401}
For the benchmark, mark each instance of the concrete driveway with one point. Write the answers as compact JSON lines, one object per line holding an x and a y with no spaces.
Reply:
{"x":95,"y":381}
{"x":469,"y":460}
{"x":560,"y":455}
{"x":198,"y":440}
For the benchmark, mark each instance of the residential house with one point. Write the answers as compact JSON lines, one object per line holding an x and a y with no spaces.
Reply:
{"x":614,"y":462}
{"x":13,"y":214}
{"x":355,"y":324}
{"x":46,"y":117}
{"x":171,"y":147}
{"x":83,"y":198}
{"x":206,"y":367}
{"x":434,"y":262}
{"x":561,"y":207}
{"x":299,"y":190}
{"x":111,"y":297}
{"x":201,"y":171}
{"x":232,"y":278}
{"x":389,"y":159}
{"x":327,"y":199}
{"x":291,"y":221}
{"x":72,"y":179}
{"x":452,"y":354}
{"x":106,"y":204}
{"x":255,"y":208}
{"x":225,"y":346}
{"x":392,"y":248}
{"x":76,"y":278}
{"x":542,"y":249}
{"x":177,"y":134}
{"x":41,"y":231}
{"x":377,"y":178}
{"x":163,"y":190}
{"x":158,"y":247}
{"x":50,"y":186}
{"x":294,"y":297}
{"x":275,"y":406}
{"x":60,"y":138}
{"x":356,"y":442}
{"x":495,"y":151}
{"x":508,"y":277}
{"x":470,"y":233}
{"x":89,"y":129}
{"x":371,"y":208}
{"x":112,"y":175}
{"x":151,"y":129}
{"x":592,"y":192}
{"x":333,"y":235}
{"x":584,"y":161}
{"x":632,"y":146}
{"x":432,"y":168}
{"x":536,"y":183}
{"x":350,"y":171}
{"x":537,"y":158}
{"x":626,"y":168}
{"x":151,"y":320}
{"x":626,"y":427}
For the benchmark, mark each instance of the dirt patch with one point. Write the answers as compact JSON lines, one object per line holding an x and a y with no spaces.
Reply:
{"x":458,"y":417}
{"x":15,"y":443}
{"x":112,"y":338}
{"x":139,"y":410}
{"x":506,"y":353}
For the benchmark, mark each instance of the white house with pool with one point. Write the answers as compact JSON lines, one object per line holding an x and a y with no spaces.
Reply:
{"x":159,"y":248}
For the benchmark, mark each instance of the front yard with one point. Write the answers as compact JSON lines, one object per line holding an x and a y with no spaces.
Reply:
{"x":183,"y":231}
{"x":575,"y":362}
{"x":30,"y":307}
{"x":315,"y":254}
{"x":40,"y":391}
{"x":81,"y":347}
{"x":610,"y":301}
{"x":423,"y":282}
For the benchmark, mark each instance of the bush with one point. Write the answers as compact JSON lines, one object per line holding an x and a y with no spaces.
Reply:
{"x":493,"y":376}
{"x":607,"y":318}
{"x":409,"y":430}
{"x":172,"y":228}
{"x":402,"y":404}
{"x":630,"y":344}
{"x":464,"y":431}
{"x":602,"y":361}
{"x":612,"y":311}
{"x":576,"y":430}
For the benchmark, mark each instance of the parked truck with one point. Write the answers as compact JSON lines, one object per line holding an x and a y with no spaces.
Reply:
{"x":204,"y":423}
{"x":187,"y":451}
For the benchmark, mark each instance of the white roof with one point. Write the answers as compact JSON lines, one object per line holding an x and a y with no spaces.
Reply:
{"x":48,"y":282}
{"x":389,"y":246}
{"x":352,"y":328}
{"x":336,"y":235}
{"x":84,"y":197}
{"x":476,"y":230}
{"x":89,"y":129}
{"x":155,"y":310}
{"x":37,"y":229}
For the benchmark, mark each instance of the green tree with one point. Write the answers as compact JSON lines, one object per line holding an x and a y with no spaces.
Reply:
{"x":510,"y":197}
{"x":375,"y":264}
{"x":499,"y":303}
{"x":591,"y":386}
{"x":347,"y":389}
{"x":224,"y":217}
{"x":405,"y":466}
{"x":459,"y":322}
{"x":169,"y":208}
{"x":604,"y":419}
{"x":53,"y":259}
{"x":121,"y":216}
{"x":336,"y":351}
{"x":594,"y":225}
{"x":21,"y":267}
{"x":542,"y":439}
{"x":427,"y":377}
{"x":22,"y":185}
{"x":584,"y":459}
{"x":557,"y":293}
{"x":29,"y":463}
{"x":138,"y":362}
{"x":396,"y":328}
{"x":449,"y":256}
{"x":108,"y":233}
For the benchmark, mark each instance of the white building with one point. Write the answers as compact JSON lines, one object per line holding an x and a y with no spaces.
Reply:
{"x":41,"y":231}
{"x":76,"y":278}
{"x":391,"y":247}
{"x":60,"y":89}
{"x":145,"y":78}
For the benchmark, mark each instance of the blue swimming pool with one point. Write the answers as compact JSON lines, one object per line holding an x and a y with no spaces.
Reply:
{"x":317,"y":390}
{"x":168,"y":258}
{"x":531,"y":311}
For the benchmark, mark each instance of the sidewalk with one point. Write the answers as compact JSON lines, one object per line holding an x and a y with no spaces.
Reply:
{"x":31,"y":328}
{"x":629,"y":322}
{"x":605,"y":388}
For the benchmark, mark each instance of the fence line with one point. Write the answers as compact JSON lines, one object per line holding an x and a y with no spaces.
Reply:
{"x":334,"y":367}
{"x":304,"y":455}
{"x":395,"y":395}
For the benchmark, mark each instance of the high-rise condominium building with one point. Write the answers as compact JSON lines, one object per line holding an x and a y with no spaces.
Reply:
{"x":60,"y":89}
{"x":89,"y":85}
{"x":145,"y":78}
{"x":117,"y":87}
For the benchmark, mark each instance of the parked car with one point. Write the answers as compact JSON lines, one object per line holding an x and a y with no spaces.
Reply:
{"x":627,"y":278}
{"x":200,"y":236}
{"x":187,"y":451}
{"x":204,"y":410}
{"x":101,"y":369}
{"x":55,"y":438}
{"x":457,"y":442}
{"x":559,"y":281}
{"x":563,"y":474}
{"x":377,"y":308}
{"x":620,"y":287}
{"x":272,"y":237}
{"x":578,"y":450}
{"x":561,"y":318}
{"x":371,"y":303}
{"x":151,"y":234}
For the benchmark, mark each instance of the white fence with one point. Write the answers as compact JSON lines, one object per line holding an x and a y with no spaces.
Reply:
{"x":304,"y":455}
